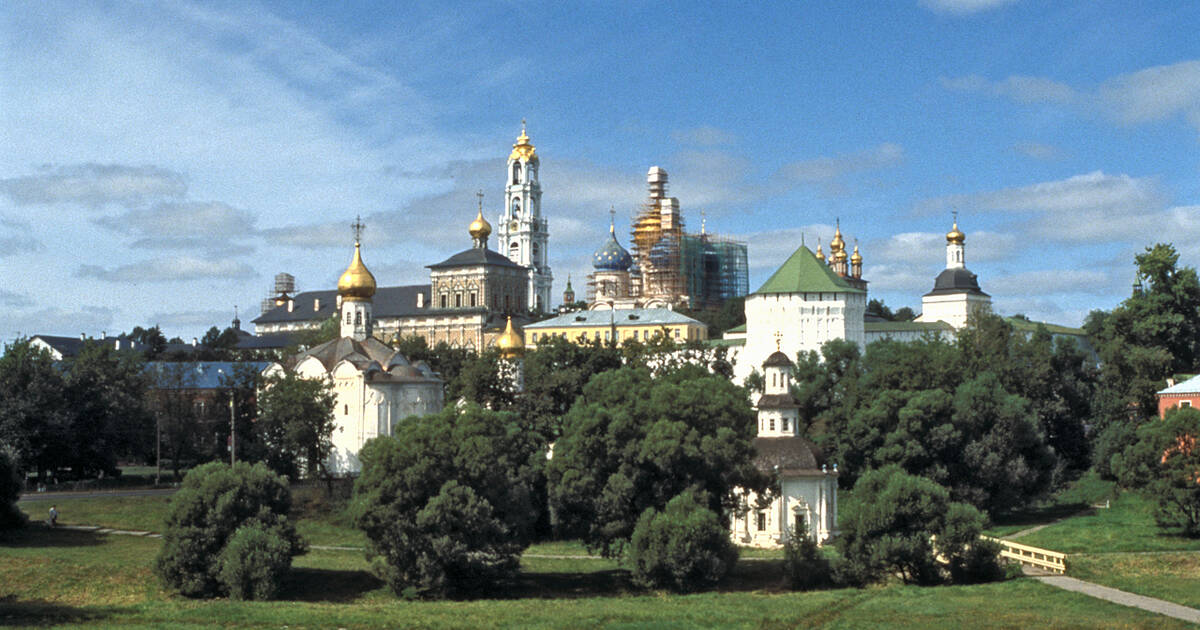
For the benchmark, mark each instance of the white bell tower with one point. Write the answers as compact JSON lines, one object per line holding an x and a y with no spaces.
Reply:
{"x":523,"y":234}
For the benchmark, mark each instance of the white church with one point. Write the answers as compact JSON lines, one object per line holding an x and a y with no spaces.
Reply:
{"x":375,"y":386}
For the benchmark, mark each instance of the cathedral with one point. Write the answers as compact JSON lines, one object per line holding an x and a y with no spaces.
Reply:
{"x":374,"y":386}
{"x":470,"y":295}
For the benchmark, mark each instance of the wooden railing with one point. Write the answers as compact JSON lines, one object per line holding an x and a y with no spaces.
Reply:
{"x":1045,"y":559}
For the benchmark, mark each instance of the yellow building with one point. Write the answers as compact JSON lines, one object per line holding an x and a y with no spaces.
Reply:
{"x":639,"y":324}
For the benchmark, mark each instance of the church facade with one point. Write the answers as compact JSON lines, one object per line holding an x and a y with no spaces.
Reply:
{"x":374,"y":386}
{"x":470,"y":295}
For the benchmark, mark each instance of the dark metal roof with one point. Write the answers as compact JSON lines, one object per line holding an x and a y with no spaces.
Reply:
{"x":958,"y":280}
{"x":197,"y":374}
{"x":71,"y":346}
{"x":787,"y":454}
{"x":777,"y":401}
{"x":380,"y":361}
{"x":777,"y":359}
{"x":475,"y":256}
{"x":387,"y":302}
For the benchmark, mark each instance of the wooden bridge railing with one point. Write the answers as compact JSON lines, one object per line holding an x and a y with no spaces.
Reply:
{"x":1033,"y":556}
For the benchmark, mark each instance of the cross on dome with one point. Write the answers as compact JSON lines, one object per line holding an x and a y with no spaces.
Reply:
{"x":358,"y":227}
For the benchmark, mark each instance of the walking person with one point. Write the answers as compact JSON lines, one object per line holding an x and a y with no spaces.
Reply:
{"x":53,"y":520}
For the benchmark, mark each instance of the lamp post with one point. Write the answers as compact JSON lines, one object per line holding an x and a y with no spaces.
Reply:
{"x":232,"y":430}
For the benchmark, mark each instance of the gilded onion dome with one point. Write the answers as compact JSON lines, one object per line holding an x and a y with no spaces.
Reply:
{"x":510,"y":344}
{"x":522,"y":150}
{"x":955,"y":235}
{"x":356,"y":283}
{"x":611,"y":256}
{"x":480,"y":228}
{"x":856,"y":258}
{"x":820,"y":253}
{"x":838,"y":245}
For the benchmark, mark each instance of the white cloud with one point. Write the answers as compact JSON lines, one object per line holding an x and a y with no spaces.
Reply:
{"x":14,"y":300}
{"x":67,"y":321}
{"x":1050,"y":282}
{"x":982,"y":246}
{"x":827,"y":169}
{"x":963,"y":7}
{"x":204,"y":219}
{"x":908,"y":279}
{"x":94,"y":185}
{"x":1093,"y":191}
{"x":182,"y":268}
{"x":1147,"y":95}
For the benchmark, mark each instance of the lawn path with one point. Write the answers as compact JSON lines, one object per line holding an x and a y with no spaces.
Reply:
{"x":1123,"y":598}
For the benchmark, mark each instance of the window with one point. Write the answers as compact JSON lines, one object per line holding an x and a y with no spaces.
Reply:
{"x":445,"y":300}
{"x":1185,"y":403}
{"x":772,"y":426}
{"x":761,"y":520}
{"x":799,"y":523}
{"x":457,"y":300}
{"x":534,"y":250}
{"x":345,"y":410}
{"x":635,"y":334}
{"x":472,"y":298}
{"x":358,"y":317}
{"x":597,"y":335}
{"x":785,"y":424}
{"x":516,"y":173}
{"x":516,"y":208}
{"x":677,"y":333}
{"x":507,"y":303}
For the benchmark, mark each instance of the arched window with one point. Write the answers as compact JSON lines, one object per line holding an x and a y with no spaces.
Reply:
{"x":514,"y":251}
{"x":516,"y":173}
{"x":457,"y":300}
{"x":358,"y":317}
{"x":516,"y":208}
{"x":534,"y":250}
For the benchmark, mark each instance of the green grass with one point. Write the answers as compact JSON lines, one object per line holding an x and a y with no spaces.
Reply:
{"x":89,"y":580}
{"x":1173,"y":576}
{"x":1126,"y":526}
{"x":138,"y":513}
{"x":1077,"y":497}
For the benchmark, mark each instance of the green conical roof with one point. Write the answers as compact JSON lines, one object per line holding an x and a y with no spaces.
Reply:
{"x":803,"y":273}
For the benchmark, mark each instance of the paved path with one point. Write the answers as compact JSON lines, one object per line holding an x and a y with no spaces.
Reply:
{"x":1121,"y":597}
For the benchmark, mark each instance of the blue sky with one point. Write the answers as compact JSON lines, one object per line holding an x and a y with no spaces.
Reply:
{"x":162,"y":161}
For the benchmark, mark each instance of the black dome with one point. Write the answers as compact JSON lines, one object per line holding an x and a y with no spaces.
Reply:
{"x":958,"y":280}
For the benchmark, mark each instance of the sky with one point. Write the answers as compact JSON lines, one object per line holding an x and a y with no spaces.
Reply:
{"x":162,"y":161}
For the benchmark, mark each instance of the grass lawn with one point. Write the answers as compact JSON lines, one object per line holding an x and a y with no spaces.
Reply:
{"x":1077,"y":497}
{"x":138,"y":513}
{"x":1173,"y":576}
{"x":89,"y":580}
{"x":1126,"y":526}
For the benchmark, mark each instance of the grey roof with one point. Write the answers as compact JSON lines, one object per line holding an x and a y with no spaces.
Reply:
{"x":776,"y":401}
{"x":886,"y":326}
{"x":476,"y":256}
{"x":371,"y":355}
{"x":622,"y":317}
{"x":71,"y":346}
{"x":197,"y":374}
{"x":777,"y":359}
{"x":957,"y":280}
{"x":246,"y":341}
{"x":788,"y":454}
{"x":388,"y":302}
{"x":1190,"y":386}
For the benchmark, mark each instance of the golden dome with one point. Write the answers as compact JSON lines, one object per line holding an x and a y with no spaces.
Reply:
{"x":838,"y":245}
{"x":955,"y":235}
{"x":522,"y":150}
{"x":356,"y":283}
{"x":856,"y":258}
{"x":480,"y":228}
{"x":510,"y":343}
{"x":820,"y":254}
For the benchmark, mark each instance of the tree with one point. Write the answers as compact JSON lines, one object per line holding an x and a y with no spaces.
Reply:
{"x":11,"y":516}
{"x":105,"y":391}
{"x":447,"y":501}
{"x":295,"y":424}
{"x":684,"y":547}
{"x":153,"y":337}
{"x":804,"y":565}
{"x":34,"y":417}
{"x":902,"y":524}
{"x":1165,"y":462}
{"x":555,"y":375}
{"x":634,"y":441}
{"x":217,"y":505}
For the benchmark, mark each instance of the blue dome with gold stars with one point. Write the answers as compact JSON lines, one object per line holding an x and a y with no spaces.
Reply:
{"x":611,"y":256}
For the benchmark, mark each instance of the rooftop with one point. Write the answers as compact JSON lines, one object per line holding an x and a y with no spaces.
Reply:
{"x":621,"y":317}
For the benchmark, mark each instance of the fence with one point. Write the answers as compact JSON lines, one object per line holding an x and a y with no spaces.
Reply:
{"x":1045,"y":559}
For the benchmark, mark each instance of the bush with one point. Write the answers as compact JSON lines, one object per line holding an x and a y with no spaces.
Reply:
{"x":446,"y":503}
{"x":1165,"y":463}
{"x":254,"y":562}
{"x":803,"y":563}
{"x":214,"y":503}
{"x":682,"y":548}
{"x":10,"y":490}
{"x":893,"y":523}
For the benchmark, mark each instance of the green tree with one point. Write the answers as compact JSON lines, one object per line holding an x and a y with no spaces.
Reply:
{"x":684,"y":547}
{"x":106,"y":394}
{"x":447,"y":501}
{"x":902,"y":524}
{"x":555,"y":375}
{"x":1165,"y":462}
{"x":633,"y":441}
{"x":11,"y":516}
{"x":295,"y":424}
{"x":35,"y":422}
{"x":805,"y":567}
{"x":153,"y":337}
{"x":216,"y":504}
{"x":480,"y":382}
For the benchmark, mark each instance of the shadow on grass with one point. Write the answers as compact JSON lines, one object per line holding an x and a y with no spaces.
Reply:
{"x":753,"y":575}
{"x":328,"y":585}
{"x":14,"y":612}
{"x":40,"y":535}
{"x":1034,"y":516}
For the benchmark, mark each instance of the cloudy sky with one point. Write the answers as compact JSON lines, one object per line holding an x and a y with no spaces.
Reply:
{"x":162,"y":161}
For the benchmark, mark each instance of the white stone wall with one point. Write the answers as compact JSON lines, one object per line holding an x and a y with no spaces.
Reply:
{"x":812,"y":497}
{"x":804,"y":321}
{"x":952,"y":308}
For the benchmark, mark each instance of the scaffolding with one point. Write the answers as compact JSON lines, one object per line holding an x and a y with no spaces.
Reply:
{"x":658,"y":235}
{"x":715,"y":268}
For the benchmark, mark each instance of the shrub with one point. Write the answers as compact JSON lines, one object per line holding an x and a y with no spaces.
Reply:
{"x":446,"y":503}
{"x":1165,"y":463}
{"x":10,"y":491}
{"x":254,"y":562}
{"x":893,"y":523}
{"x":682,"y":548}
{"x":215,"y":501}
{"x":803,"y":563}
